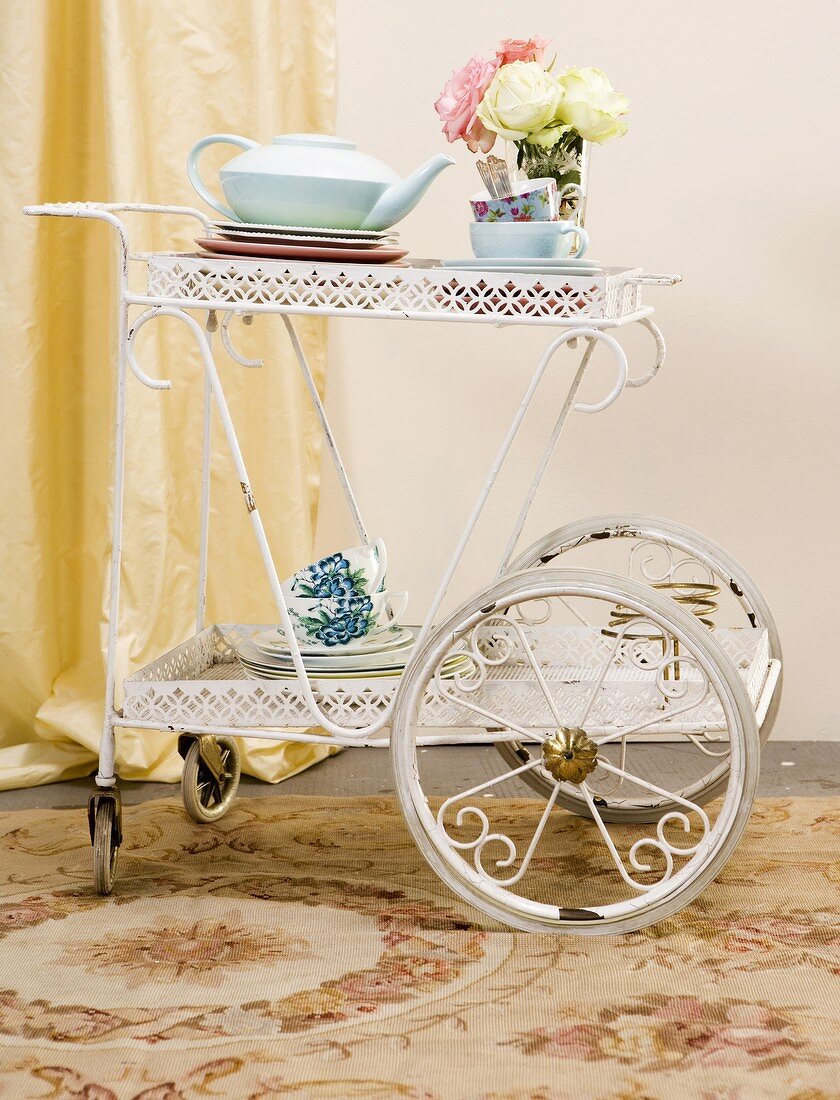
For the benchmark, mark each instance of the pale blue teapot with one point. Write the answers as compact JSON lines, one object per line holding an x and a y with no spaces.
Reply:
{"x":312,"y":180}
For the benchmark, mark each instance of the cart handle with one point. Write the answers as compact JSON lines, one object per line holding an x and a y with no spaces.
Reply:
{"x":646,"y":279}
{"x":95,"y":209}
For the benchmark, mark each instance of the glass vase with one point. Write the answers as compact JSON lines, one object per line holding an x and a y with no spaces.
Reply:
{"x":567,"y":162}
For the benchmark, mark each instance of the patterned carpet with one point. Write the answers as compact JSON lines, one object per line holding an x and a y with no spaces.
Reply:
{"x":301,"y":948}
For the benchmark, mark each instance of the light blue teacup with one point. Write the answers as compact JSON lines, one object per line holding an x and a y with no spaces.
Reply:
{"x":527,"y":240}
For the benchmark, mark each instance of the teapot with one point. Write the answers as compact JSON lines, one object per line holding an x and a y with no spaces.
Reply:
{"x":312,"y":180}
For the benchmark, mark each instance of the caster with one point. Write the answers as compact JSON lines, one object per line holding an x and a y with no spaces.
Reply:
{"x":573,"y":696}
{"x":672,"y":557}
{"x":105,"y":824}
{"x":209,"y":782}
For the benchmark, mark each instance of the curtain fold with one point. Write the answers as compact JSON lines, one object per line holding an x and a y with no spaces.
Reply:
{"x":102,"y":100}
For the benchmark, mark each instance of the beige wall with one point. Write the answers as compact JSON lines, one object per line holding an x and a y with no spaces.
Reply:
{"x":729,"y":176}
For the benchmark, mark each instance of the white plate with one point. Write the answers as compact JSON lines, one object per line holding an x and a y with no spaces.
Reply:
{"x":340,"y":664}
{"x":311,"y":230}
{"x":301,"y":238}
{"x":273,"y":642}
{"x":525,"y":267}
{"x":459,"y":663}
{"x":354,"y":662}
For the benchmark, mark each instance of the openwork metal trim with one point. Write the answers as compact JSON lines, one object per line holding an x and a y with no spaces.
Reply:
{"x":394,"y":291}
{"x":201,"y":683}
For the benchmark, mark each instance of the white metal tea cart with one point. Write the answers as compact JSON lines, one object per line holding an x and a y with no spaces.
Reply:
{"x":605,"y":633}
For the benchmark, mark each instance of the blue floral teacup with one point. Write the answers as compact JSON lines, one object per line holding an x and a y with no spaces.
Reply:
{"x":343,"y":620}
{"x":341,"y":597}
{"x":344,"y":573}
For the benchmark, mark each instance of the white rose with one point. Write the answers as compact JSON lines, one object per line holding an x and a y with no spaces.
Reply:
{"x":522,"y":99}
{"x":591,"y":105}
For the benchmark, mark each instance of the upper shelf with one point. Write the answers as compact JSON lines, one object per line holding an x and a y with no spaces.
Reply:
{"x":432,"y":293}
{"x":361,"y":290}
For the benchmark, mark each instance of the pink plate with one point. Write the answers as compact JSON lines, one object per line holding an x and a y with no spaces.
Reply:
{"x":299,"y":252}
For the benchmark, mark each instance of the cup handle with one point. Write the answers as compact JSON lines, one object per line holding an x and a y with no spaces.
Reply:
{"x":583,"y":240}
{"x":382,"y":558}
{"x":195,"y":176}
{"x":394,"y":616}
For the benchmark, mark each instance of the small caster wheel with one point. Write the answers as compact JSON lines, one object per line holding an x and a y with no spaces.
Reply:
{"x":106,"y":844}
{"x":210,"y":780}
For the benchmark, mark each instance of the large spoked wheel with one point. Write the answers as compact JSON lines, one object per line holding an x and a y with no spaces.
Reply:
{"x":540,"y":664}
{"x":673,"y":557}
{"x":209,"y":782}
{"x":105,"y":845}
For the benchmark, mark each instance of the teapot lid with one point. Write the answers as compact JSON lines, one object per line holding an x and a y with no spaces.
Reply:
{"x":322,"y":141}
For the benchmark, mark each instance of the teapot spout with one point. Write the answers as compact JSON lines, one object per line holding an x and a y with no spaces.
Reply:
{"x":402,"y":197}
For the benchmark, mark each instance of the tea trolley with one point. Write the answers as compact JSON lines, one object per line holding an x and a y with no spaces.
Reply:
{"x":626,"y":668}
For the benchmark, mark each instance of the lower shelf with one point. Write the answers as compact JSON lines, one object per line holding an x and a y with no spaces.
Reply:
{"x":201,"y":683}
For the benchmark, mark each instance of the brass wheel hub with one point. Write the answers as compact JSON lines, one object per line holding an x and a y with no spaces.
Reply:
{"x":569,"y":755}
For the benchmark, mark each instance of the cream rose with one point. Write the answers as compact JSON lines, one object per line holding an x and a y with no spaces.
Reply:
{"x":591,"y":105}
{"x":522,"y":100}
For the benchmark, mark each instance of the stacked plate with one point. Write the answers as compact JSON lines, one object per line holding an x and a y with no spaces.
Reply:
{"x":294,"y":242}
{"x":266,"y":656}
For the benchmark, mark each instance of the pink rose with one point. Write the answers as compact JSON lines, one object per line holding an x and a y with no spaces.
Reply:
{"x":458,"y":101}
{"x":521,"y":49}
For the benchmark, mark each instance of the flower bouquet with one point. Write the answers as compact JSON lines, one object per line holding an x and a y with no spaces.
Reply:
{"x":548,"y":115}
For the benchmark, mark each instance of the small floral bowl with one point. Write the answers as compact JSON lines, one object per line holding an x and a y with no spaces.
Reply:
{"x":532,"y":201}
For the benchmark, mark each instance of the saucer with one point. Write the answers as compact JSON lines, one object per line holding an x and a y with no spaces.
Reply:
{"x":454,"y":664}
{"x":528,"y":266}
{"x":307,"y":230}
{"x":304,"y":239}
{"x":273,"y":643}
{"x":382,"y":254}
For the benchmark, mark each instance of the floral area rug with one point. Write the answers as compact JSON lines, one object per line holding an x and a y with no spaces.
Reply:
{"x":302,"y":948}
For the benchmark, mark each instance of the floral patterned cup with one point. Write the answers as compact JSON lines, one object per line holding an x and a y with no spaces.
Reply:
{"x":532,"y":201}
{"x":346,"y":619}
{"x":341,"y":597}
{"x":358,"y":571}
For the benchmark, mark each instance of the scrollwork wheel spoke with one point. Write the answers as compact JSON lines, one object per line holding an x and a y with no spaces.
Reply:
{"x":625,"y":643}
{"x":485,"y":837}
{"x":671,"y":815}
{"x":661,"y":844}
{"x":493,"y":720}
{"x":538,"y":676}
{"x":477,"y":790}
{"x":640,"y":727}
{"x":480,"y":640}
{"x":642,"y":887}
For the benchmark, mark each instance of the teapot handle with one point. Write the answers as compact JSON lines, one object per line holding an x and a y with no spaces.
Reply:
{"x":195,"y":178}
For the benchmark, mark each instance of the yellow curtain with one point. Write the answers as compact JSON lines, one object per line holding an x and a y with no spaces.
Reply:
{"x":101,"y":100}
